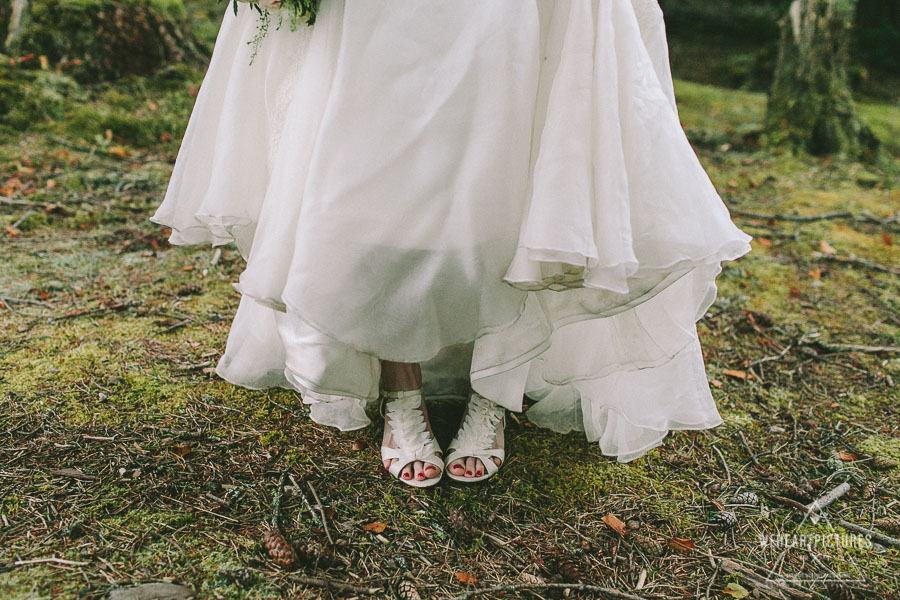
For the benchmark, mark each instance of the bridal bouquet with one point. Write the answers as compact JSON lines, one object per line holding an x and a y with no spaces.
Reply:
{"x":297,"y":11}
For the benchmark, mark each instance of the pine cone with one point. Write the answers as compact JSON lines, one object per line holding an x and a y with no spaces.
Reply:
{"x":724,"y":518}
{"x":883,"y":463}
{"x":532,"y":579}
{"x":794,"y":492}
{"x":745,"y":498}
{"x":458,"y":522}
{"x":242,"y":577}
{"x":649,"y":545}
{"x":868,"y":490}
{"x":189,"y":290}
{"x":837,"y":590}
{"x":570,"y":570}
{"x":889,"y":524}
{"x":407,"y":591}
{"x":315,"y":552}
{"x":279,"y":549}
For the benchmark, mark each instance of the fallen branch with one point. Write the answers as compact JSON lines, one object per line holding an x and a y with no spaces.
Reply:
{"x":862,"y":262}
{"x":94,"y":311}
{"x":73,"y":474}
{"x":55,"y":561}
{"x":338,"y":586}
{"x":578,"y":587}
{"x":874,"y":535}
{"x":724,"y":464}
{"x":864,"y":217}
{"x":321,"y":512}
{"x":763,"y":584}
{"x":856,"y":348}
{"x":842,"y":214}
{"x":824,"y":501}
{"x":15,"y":226}
{"x":869,"y":533}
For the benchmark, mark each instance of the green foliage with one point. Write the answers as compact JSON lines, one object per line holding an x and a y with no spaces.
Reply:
{"x":30,"y":97}
{"x":105,"y":39}
{"x":734,"y":43}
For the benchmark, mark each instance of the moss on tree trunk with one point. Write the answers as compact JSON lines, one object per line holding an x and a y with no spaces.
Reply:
{"x":106,"y":39}
{"x":810,"y":104}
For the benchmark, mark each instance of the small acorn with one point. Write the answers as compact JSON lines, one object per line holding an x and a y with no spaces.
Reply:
{"x":279,"y":550}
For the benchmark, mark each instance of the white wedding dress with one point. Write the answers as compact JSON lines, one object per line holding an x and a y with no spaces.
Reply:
{"x":500,"y":190}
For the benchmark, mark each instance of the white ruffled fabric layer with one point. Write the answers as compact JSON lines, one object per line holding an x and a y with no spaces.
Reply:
{"x":519,"y":211}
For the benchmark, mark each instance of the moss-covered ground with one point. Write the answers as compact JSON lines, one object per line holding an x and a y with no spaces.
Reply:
{"x":125,"y":460}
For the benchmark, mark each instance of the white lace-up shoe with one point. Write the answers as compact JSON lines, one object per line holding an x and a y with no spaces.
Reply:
{"x":410,"y":435}
{"x":476,"y":437}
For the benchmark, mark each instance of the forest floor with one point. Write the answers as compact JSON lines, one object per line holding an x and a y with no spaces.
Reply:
{"x":125,"y":460}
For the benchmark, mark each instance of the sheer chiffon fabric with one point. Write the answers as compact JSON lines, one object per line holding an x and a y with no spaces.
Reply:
{"x":501,"y":191}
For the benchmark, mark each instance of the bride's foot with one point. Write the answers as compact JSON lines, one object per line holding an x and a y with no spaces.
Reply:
{"x":480,"y":438}
{"x":409,"y":415}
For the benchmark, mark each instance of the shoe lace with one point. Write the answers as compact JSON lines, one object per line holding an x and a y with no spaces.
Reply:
{"x":479,"y":427}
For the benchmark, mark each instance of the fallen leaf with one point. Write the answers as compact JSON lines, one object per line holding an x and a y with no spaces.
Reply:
{"x":376,"y":527}
{"x":736,"y":590}
{"x":816,"y":273}
{"x":765,"y":242}
{"x":716,"y":383}
{"x":795,"y":292}
{"x":181,"y":449}
{"x":120,"y":151}
{"x":682,"y":544}
{"x":826,"y":247}
{"x":847,"y":456}
{"x":886,"y":238}
{"x":152,"y":591}
{"x":466,"y":578}
{"x":358,"y":445}
{"x":738,"y":374}
{"x":187,"y":268}
{"x":45,"y":64}
{"x":73,"y":473}
{"x":615,"y":523}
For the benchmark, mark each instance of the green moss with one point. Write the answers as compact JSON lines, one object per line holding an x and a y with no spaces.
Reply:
{"x":33,"y":222}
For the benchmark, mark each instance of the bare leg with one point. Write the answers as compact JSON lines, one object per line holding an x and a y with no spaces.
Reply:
{"x":399,"y":377}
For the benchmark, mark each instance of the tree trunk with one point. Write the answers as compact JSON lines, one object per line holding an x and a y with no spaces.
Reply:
{"x":18,"y":13}
{"x":810,"y":104}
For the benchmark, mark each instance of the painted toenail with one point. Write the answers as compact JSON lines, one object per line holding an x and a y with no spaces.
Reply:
{"x":468,"y":472}
{"x":478,"y":473}
{"x":406,"y":476}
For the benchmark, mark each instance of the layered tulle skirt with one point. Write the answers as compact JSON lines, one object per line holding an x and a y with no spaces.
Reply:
{"x":501,"y":191}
